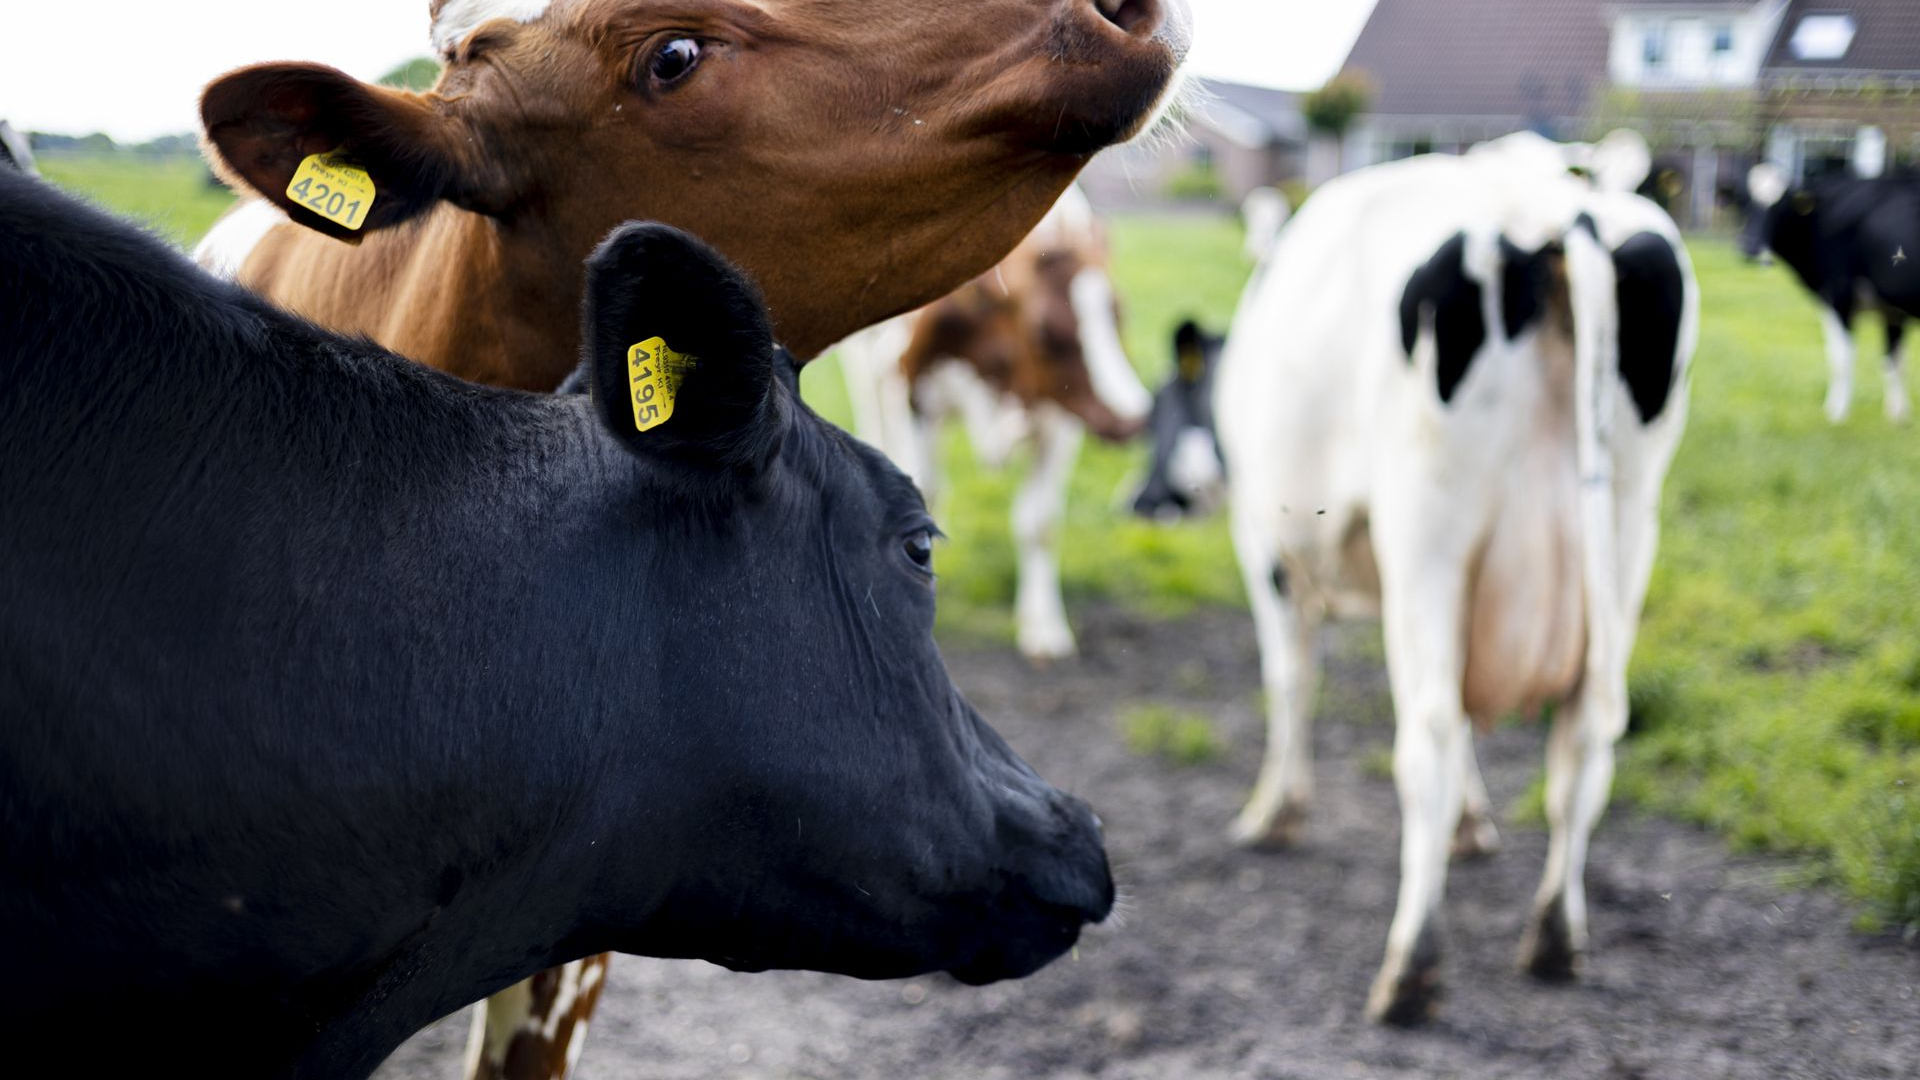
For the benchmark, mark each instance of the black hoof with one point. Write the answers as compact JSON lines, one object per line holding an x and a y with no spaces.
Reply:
{"x":1548,"y":952}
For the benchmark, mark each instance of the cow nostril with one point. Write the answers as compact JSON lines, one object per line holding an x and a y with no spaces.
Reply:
{"x":1133,"y":16}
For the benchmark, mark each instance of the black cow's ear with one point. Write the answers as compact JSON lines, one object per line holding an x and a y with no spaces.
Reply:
{"x":681,"y":355}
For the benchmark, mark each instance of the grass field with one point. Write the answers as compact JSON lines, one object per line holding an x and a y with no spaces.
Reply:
{"x":1777,"y":681}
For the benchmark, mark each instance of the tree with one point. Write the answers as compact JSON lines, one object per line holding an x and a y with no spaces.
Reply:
{"x":1330,"y":110}
{"x":419,"y":73}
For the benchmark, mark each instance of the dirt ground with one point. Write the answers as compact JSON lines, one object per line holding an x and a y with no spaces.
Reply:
{"x":1235,"y":964}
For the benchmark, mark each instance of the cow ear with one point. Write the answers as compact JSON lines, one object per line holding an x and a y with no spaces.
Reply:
{"x":263,"y":122}
{"x":681,"y":355}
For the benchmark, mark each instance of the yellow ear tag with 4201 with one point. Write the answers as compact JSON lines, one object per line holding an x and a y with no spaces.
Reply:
{"x":337,"y":191}
{"x":654,"y":373}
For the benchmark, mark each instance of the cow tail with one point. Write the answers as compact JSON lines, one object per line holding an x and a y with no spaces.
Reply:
{"x":1591,"y":287}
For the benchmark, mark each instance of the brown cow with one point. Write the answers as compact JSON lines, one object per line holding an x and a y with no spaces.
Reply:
{"x":1028,"y":352}
{"x":859,"y":157}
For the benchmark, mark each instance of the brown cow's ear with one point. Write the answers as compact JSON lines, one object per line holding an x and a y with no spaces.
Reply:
{"x":262,"y":122}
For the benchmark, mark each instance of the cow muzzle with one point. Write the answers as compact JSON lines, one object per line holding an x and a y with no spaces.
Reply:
{"x":1058,"y":882}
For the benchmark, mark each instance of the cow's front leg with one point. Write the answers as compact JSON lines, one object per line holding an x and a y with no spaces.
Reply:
{"x":1896,"y":383}
{"x":1039,"y":611}
{"x":535,"y":1030}
{"x":1289,"y":671}
{"x":1476,"y":836}
{"x":1425,"y":658}
{"x":1836,"y":326}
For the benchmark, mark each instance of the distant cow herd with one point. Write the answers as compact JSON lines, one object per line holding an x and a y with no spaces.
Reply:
{"x":342,"y":692}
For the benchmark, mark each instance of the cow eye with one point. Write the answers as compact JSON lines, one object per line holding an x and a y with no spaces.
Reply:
{"x":919,"y":547}
{"x":673,"y":61}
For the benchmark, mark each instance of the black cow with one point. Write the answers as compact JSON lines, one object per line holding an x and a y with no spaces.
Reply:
{"x":1186,"y":474}
{"x":1852,"y":242}
{"x":338,"y":693}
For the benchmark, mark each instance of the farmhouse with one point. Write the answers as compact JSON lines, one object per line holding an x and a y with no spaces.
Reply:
{"x":1812,"y":85}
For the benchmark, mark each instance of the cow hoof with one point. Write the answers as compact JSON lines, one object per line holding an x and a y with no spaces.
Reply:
{"x":1281,"y":829}
{"x":1044,"y":645}
{"x":1407,"y":992}
{"x":1475,"y":837}
{"x":1549,"y":952}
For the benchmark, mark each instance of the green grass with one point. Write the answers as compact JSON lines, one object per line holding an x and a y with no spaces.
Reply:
{"x":172,"y":194}
{"x":1181,"y":738}
{"x":1776,"y":687}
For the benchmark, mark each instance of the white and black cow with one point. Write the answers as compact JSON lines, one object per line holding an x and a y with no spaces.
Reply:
{"x":1184,"y":473}
{"x":340,"y":693}
{"x":1450,"y":397}
{"x":1852,"y":243}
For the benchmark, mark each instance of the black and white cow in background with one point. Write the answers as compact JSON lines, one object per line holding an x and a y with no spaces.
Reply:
{"x":1449,"y":397}
{"x":1184,"y":471}
{"x":1852,"y":242}
{"x":340,"y":693}
{"x":15,"y":150}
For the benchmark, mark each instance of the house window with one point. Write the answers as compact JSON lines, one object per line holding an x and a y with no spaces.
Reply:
{"x":1722,"y":39}
{"x":1822,"y":37}
{"x":1653,"y":49}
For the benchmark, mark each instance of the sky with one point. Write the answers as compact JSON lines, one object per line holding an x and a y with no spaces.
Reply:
{"x":134,"y":68}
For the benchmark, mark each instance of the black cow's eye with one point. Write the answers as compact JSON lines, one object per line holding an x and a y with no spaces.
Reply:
{"x":673,"y":62}
{"x":919,"y":548}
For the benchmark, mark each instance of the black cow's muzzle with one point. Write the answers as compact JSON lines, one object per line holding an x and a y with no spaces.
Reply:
{"x":1057,"y":883}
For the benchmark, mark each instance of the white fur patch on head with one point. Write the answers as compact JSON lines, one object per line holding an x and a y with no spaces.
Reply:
{"x":224,"y":250}
{"x":1114,"y":381}
{"x":1765,"y":184}
{"x":453,"y":20}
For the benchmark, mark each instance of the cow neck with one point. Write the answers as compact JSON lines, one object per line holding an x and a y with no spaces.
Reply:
{"x":472,"y":295}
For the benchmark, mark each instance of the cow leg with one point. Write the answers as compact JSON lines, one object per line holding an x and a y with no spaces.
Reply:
{"x":1836,"y":322}
{"x":1897,"y":406}
{"x":1579,"y":777}
{"x":1289,"y":673}
{"x":1425,"y":660}
{"x":1039,"y":611}
{"x":535,"y":1030}
{"x":1476,"y":836}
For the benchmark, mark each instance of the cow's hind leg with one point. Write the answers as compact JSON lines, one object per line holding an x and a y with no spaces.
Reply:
{"x":1579,"y":777}
{"x":1898,"y":407}
{"x":1039,"y":611}
{"x":1476,"y":836}
{"x":1425,"y":661}
{"x":1289,"y":672}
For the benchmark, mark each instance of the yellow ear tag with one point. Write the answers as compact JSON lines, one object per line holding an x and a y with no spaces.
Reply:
{"x":335,"y":190}
{"x":655,"y":372}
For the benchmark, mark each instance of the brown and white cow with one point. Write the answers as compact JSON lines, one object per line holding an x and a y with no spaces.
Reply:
{"x":1028,"y":352}
{"x":858,"y":157}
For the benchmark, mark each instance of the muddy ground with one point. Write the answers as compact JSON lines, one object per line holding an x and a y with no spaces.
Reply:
{"x":1235,"y":964}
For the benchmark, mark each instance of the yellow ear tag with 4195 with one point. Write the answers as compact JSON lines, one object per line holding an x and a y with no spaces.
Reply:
{"x":654,"y":373}
{"x":337,"y":191}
